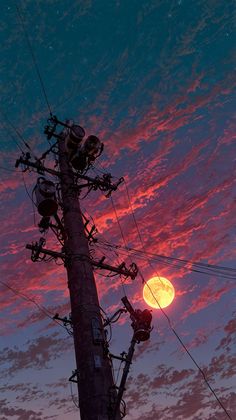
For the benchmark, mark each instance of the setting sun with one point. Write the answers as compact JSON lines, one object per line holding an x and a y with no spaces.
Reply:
{"x":158,"y":290}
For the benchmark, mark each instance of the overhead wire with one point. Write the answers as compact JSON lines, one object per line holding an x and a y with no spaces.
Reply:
{"x":21,"y":19}
{"x":123,"y":238}
{"x":206,"y":266}
{"x":72,"y":396}
{"x":7,"y":169}
{"x":118,"y":222}
{"x":118,"y":372}
{"x":171,"y":326}
{"x":27,"y":298}
{"x":219,"y":271}
{"x":17,"y":132}
{"x":31,"y":198}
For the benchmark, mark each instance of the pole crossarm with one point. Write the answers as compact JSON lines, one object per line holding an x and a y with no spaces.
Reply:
{"x":37,"y":249}
{"x":103,"y":183}
{"x":41,"y":169}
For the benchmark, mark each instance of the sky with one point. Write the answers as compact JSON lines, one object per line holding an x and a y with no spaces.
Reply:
{"x":155,"y":81}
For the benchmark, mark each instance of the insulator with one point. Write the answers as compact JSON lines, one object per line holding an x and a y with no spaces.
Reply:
{"x":45,"y":193}
{"x":92,"y":146}
{"x":75,"y":135}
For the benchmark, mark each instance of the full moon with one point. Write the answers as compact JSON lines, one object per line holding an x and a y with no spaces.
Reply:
{"x":162,"y":289}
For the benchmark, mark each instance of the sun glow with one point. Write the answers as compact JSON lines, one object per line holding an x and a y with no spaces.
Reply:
{"x":158,"y":292}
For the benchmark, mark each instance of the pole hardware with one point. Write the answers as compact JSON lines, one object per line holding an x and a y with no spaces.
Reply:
{"x":98,"y":337}
{"x":81,"y":153}
{"x":59,"y":230}
{"x":114,"y":318}
{"x":103,"y":183}
{"x":57,"y":227}
{"x":74,"y":377}
{"x":90,"y":231}
{"x":66,"y":321}
{"x":53,"y":122}
{"x":40,"y":168}
{"x":37,"y":249}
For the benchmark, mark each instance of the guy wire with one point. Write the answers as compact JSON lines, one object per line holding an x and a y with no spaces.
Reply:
{"x":19,"y":11}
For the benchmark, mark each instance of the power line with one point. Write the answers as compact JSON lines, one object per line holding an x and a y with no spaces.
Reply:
{"x":170,"y":323}
{"x":7,"y":169}
{"x":118,"y":222}
{"x":139,"y":234}
{"x":16,"y":132}
{"x":27,"y":298}
{"x":188,"y":265}
{"x":72,"y":396}
{"x":205,"y":266}
{"x":169,"y":258}
{"x":33,"y":57}
{"x":12,"y":138}
{"x":124,"y":240}
{"x":30,"y":197}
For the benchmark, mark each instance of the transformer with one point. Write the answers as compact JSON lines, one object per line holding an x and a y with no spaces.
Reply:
{"x":141,"y":324}
{"x":45,"y":193}
{"x":86,"y":153}
{"x":92,"y":147}
{"x":75,"y":135}
{"x":141,"y":321}
{"x":79,"y":160}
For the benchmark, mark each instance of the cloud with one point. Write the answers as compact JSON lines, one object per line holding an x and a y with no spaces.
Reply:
{"x":188,"y":395}
{"x":207,"y":296}
{"x":19,"y":413}
{"x":230,"y":338}
{"x":146,"y":348}
{"x":36,"y":355}
{"x":202,"y":336}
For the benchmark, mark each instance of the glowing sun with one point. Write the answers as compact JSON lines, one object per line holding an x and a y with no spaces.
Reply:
{"x":162,"y":289}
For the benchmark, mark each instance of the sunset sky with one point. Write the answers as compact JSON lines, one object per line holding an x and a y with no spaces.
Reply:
{"x":155,"y":81}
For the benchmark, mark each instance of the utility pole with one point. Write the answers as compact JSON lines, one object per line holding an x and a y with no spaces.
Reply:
{"x":99,"y":398}
{"x":94,"y":374}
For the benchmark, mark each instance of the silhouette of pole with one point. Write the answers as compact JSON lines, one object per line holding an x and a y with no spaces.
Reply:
{"x":94,"y":373}
{"x":121,"y":390}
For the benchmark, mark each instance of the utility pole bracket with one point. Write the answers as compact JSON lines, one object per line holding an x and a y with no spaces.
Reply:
{"x":74,"y":377}
{"x":37,"y":249}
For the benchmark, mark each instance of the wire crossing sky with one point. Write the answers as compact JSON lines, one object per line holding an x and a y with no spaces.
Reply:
{"x":155,"y":81}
